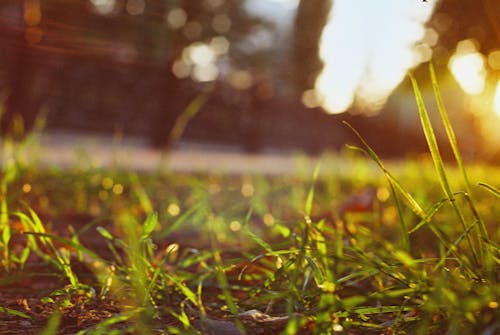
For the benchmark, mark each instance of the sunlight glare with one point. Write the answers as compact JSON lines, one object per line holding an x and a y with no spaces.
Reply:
{"x":200,"y":61}
{"x":468,"y":67}
{"x":496,"y":100}
{"x":367,"y":48}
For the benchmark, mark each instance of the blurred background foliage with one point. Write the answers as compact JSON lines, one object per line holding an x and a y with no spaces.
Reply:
{"x":134,"y":67}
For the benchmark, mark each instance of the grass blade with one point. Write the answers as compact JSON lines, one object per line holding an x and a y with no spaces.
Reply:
{"x":454,"y":146}
{"x":14,"y":312}
{"x":415,"y":207}
{"x":438,"y":161}
{"x":491,"y":189}
{"x":449,"y":129}
{"x":310,"y":195}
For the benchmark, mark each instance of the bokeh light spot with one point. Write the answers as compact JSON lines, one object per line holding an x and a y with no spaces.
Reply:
{"x":107,"y":183}
{"x":235,"y":226}
{"x":117,"y":189}
{"x":268,"y":219}
{"x":173,"y":209}
{"x":180,"y":69}
{"x":219,"y":45}
{"x":176,"y":18}
{"x":247,"y":189}
{"x":467,"y":66}
{"x":311,"y":99}
{"x":494,"y":60}
{"x":26,"y":188}
{"x":104,"y":7}
{"x":240,"y":79}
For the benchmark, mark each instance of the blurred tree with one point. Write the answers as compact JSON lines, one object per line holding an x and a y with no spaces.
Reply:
{"x":22,"y":30}
{"x":311,"y":17}
{"x":458,"y":20}
{"x":117,"y":60}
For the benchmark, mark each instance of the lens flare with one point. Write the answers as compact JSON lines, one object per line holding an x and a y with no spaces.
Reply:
{"x":468,"y":70}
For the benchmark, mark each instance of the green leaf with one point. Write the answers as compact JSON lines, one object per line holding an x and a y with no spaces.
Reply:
{"x":105,"y":233}
{"x":14,"y":312}
{"x":149,"y":225}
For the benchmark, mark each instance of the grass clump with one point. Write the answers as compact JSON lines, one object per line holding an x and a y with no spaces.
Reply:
{"x":122,"y":253}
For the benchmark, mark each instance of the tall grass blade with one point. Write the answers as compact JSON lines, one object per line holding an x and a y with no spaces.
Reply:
{"x":53,"y":324}
{"x":432,"y":142}
{"x":438,"y":161}
{"x":141,"y":194}
{"x":491,"y":189}
{"x":454,"y":146}
{"x":415,"y":207}
{"x":310,"y":195}
{"x":189,"y":113}
{"x":405,"y":237}
{"x":447,"y":125}
{"x":395,"y":186}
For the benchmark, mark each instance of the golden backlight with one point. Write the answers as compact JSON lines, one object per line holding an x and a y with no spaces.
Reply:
{"x":367,"y":47}
{"x":496,"y":100}
{"x":468,"y":67}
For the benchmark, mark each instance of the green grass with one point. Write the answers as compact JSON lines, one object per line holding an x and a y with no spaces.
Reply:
{"x":184,"y":254}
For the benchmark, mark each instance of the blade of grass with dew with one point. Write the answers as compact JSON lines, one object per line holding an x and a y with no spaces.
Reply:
{"x":438,"y":161}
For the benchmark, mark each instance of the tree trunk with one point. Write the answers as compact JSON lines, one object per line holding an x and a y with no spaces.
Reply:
{"x":312,"y":16}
